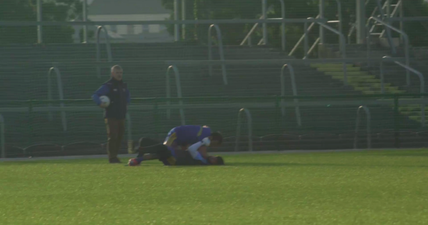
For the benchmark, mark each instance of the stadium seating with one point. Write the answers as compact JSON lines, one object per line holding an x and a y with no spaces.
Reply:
{"x":145,"y":71}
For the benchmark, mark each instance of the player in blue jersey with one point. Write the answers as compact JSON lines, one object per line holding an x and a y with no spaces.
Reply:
{"x":181,"y":137}
{"x":184,"y":145}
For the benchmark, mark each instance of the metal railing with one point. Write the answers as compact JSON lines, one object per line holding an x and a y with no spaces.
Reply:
{"x":130,"y":140}
{"x":408,"y":69}
{"x":283,"y":37}
{"x":342,"y":50}
{"x":357,"y":125}
{"x":60,"y":94}
{"x":304,"y":37}
{"x":294,"y":88}
{"x":354,"y":26}
{"x":273,"y":102}
{"x":179,"y":95}
{"x":233,"y":102}
{"x":390,"y":17}
{"x":392,"y":14}
{"x":388,"y":30}
{"x":220,"y":49}
{"x":2,"y":139}
{"x":148,"y":22}
{"x":250,"y":129}
{"x":406,"y":44}
{"x":108,"y":47}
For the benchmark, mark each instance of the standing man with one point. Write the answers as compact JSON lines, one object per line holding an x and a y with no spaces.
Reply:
{"x":115,"y":113}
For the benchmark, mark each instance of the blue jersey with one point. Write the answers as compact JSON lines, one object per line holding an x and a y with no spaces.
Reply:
{"x":187,"y":135}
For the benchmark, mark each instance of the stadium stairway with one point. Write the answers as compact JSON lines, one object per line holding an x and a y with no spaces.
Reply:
{"x":24,"y":72}
{"x":366,"y":78}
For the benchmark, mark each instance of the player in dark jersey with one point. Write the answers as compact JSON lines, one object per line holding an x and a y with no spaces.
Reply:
{"x":150,"y":149}
{"x":184,"y":143}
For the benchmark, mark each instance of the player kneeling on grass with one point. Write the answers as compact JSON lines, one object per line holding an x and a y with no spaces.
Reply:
{"x":150,"y":149}
{"x":184,"y":142}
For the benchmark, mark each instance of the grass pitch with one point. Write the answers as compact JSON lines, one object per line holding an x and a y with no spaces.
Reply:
{"x":373,"y":187}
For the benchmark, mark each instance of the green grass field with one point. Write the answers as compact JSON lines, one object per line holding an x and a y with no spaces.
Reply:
{"x":373,"y":187}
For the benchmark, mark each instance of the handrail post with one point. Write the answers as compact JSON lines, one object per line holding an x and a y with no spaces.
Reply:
{"x":283,"y":37}
{"x":294,"y":88}
{"x":401,"y":21}
{"x":220,"y":46}
{"x":2,"y":137}
{"x":342,"y":50}
{"x":339,"y":10}
{"x":368,"y":115}
{"x":321,"y":13}
{"x":179,"y":95}
{"x":396,"y":122}
{"x":406,"y":43}
{"x":176,"y":18}
{"x":421,"y":80}
{"x":85,"y":19}
{"x":250,"y":129}
{"x":302,"y":37}
{"x":60,"y":93}
{"x":108,"y":47}
{"x":387,"y":28}
{"x":130,"y":140}
{"x":368,"y":46}
{"x":264,"y":25}
{"x":39,"y":4}
{"x":382,"y":79}
{"x":306,"y":42}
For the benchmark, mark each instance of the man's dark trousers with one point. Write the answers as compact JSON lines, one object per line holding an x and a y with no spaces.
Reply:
{"x":115,"y":132}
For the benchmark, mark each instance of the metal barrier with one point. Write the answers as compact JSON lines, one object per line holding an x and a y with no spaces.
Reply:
{"x":342,"y":50}
{"x":179,"y":95}
{"x":294,"y":88}
{"x":406,"y":44}
{"x":408,"y":69}
{"x":391,"y":16}
{"x":148,"y":22}
{"x":60,"y":93}
{"x":130,"y":140}
{"x":283,"y":37}
{"x":368,"y":115}
{"x":109,"y":55}
{"x":250,"y":129}
{"x":304,"y":37}
{"x":220,"y":48}
{"x":2,"y":139}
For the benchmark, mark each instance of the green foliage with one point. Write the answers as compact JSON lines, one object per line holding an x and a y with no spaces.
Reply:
{"x":417,"y":31}
{"x":26,"y":10}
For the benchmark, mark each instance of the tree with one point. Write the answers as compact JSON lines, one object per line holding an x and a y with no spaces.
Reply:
{"x":26,"y":10}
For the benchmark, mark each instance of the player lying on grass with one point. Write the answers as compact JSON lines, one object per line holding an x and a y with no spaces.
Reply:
{"x":150,"y":149}
{"x":182,"y":142}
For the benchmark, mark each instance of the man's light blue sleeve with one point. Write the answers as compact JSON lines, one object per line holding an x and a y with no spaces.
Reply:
{"x":200,"y":158}
{"x":103,"y":90}
{"x":193,"y":150}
